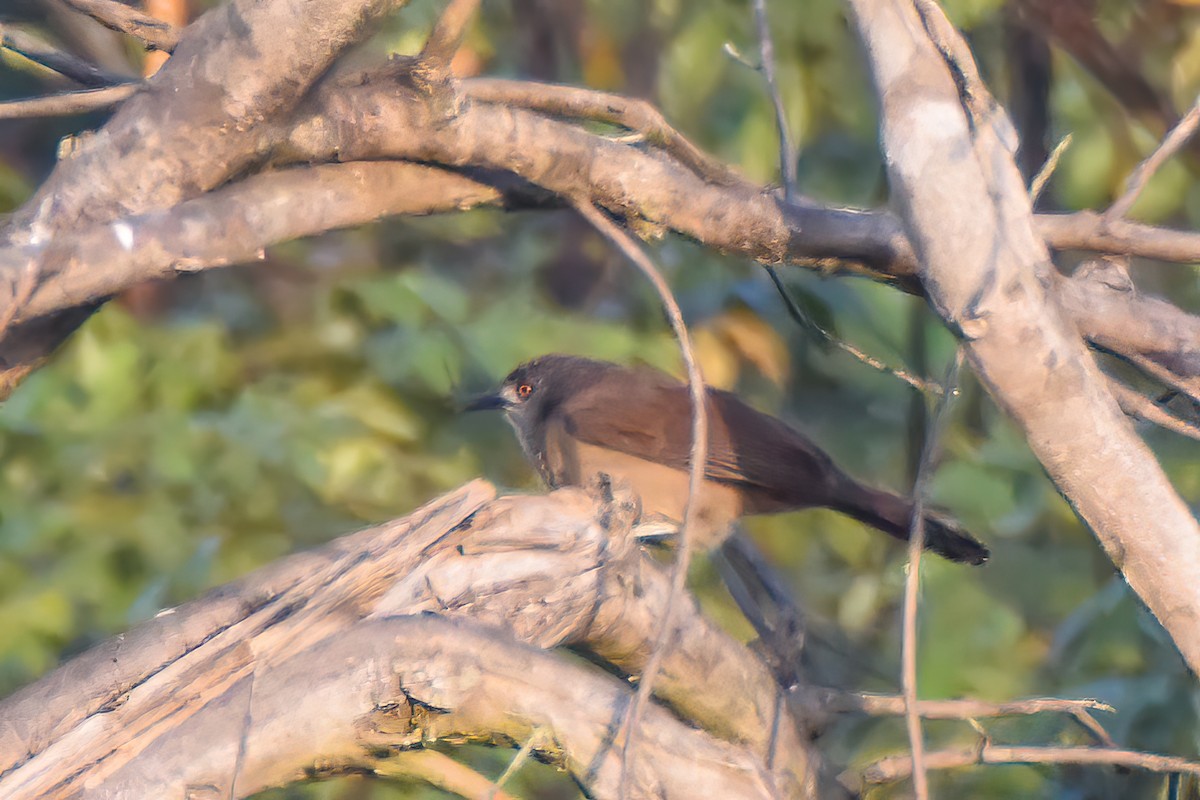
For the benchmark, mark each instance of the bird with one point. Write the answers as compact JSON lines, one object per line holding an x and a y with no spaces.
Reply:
{"x":578,"y":417}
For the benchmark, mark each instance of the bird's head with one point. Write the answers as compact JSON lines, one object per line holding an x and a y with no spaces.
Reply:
{"x":531,"y":391}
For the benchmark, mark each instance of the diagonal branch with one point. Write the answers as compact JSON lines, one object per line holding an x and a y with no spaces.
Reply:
{"x":69,"y":66}
{"x":152,"y":32}
{"x":629,"y":112}
{"x":990,"y":278}
{"x":1170,"y":145}
{"x":447,"y":36}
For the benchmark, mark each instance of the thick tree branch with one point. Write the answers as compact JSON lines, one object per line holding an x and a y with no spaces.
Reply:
{"x":376,"y":117}
{"x":542,"y":568}
{"x":218,"y":94}
{"x":989,"y":276}
{"x":391,"y":684}
{"x":232,"y":225}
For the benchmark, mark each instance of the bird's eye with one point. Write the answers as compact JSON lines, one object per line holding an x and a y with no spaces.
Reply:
{"x":524,"y":390}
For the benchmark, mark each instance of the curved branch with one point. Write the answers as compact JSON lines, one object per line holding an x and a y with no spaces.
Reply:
{"x":542,"y":569}
{"x":200,"y":119}
{"x":233,"y":225}
{"x":375,"y":117}
{"x":393,"y":684}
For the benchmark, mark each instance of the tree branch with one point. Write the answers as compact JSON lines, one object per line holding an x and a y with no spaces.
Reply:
{"x":152,"y":32}
{"x":69,"y":66}
{"x":542,"y":568}
{"x":58,"y":105}
{"x":897,"y":768}
{"x":648,"y":186}
{"x":989,"y":276}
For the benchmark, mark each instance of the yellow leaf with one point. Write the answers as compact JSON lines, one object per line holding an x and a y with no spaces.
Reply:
{"x":717,"y":361}
{"x":756,"y":341}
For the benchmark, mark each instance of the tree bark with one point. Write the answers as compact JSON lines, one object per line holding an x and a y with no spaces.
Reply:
{"x":435,"y":627}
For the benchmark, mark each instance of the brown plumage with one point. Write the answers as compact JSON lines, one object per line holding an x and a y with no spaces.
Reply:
{"x":576,"y":417}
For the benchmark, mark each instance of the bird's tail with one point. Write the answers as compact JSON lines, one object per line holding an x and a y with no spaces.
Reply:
{"x":892,"y":514}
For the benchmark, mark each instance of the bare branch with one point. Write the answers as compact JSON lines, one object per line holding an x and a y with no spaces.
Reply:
{"x":442,"y":771}
{"x":698,"y":459}
{"x":1038,"y":184}
{"x":1136,"y":404}
{"x":916,"y":544}
{"x":447,"y":36}
{"x":60,"y":105}
{"x":628,"y":112}
{"x":897,"y":768}
{"x":988,"y":276}
{"x":816,"y":700}
{"x":231,"y":225}
{"x":787,"y":149}
{"x":543,"y":568}
{"x":1170,"y":145}
{"x":70,"y":66}
{"x":152,"y":32}
{"x":808,"y":323}
{"x":837,"y":701}
{"x":1114,"y":316}
{"x":1090,"y":232}
{"x":200,"y":143}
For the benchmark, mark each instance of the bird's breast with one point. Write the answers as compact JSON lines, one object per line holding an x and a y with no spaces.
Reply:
{"x":663,"y":490}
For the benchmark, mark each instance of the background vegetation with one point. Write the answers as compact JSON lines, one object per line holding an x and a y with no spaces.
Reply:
{"x":193,"y":432}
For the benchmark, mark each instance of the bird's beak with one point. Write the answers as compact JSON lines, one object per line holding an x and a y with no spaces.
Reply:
{"x":487,"y":402}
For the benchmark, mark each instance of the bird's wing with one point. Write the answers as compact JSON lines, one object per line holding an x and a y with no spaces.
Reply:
{"x":650,"y":416}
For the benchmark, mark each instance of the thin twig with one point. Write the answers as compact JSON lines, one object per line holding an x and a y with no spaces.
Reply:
{"x":70,"y":66}
{"x":442,"y":771}
{"x":787,"y":169}
{"x":807,"y":322}
{"x":518,"y":761}
{"x":1136,"y":404}
{"x":916,"y":542}
{"x":447,"y":36}
{"x":1141,"y":175}
{"x":1186,"y":385}
{"x":895,"y":768}
{"x":628,"y":112}
{"x":835,"y":701}
{"x":699,"y":459}
{"x":787,"y":153}
{"x":1043,"y":176}
{"x":59,"y":105}
{"x":153,"y":33}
